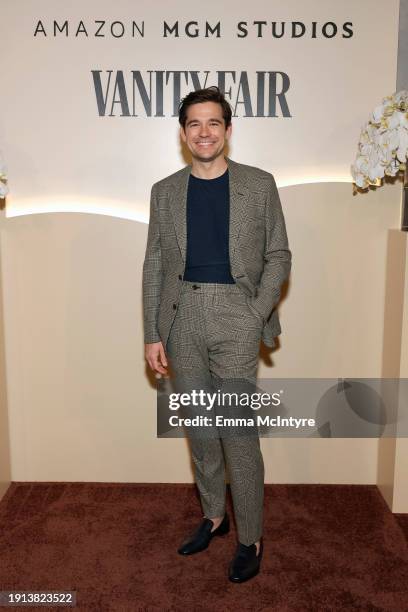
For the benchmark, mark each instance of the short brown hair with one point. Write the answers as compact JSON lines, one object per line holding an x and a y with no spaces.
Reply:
{"x":209,"y":94}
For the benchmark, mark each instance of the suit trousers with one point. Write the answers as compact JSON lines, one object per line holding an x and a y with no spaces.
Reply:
{"x":213,"y":347}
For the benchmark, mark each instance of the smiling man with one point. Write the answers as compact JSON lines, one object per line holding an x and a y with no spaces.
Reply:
{"x":216,"y":258}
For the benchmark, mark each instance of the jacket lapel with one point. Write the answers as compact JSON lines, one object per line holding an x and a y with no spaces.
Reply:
{"x":238,"y":199}
{"x":239,"y":195}
{"x":178,"y":207}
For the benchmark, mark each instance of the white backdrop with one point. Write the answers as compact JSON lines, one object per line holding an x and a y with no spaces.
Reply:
{"x":62,"y":155}
{"x":81,"y":406}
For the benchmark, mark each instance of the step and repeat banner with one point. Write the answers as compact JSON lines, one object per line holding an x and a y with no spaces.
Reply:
{"x":90,"y":91}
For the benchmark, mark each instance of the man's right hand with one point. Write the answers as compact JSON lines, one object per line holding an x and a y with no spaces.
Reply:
{"x":156,"y":357}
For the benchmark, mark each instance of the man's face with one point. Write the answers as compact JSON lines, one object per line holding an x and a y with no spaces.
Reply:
{"x":204,"y":133}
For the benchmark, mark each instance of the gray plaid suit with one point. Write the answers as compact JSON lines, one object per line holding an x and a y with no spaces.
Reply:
{"x":212,"y":335}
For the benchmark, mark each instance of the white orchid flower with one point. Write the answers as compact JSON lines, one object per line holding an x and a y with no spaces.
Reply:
{"x":402,"y":150}
{"x":376,"y":172}
{"x":393,"y":168}
{"x":394,"y":120}
{"x":401,"y":98}
{"x":361,"y":164}
{"x":383,"y":144}
{"x":378,"y":112}
{"x":3,"y":189}
{"x":358,"y":177}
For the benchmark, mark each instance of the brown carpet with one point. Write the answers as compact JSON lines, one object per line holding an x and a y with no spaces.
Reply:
{"x":326,"y":547}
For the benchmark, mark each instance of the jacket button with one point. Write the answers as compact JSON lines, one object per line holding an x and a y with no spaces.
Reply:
{"x":180,"y":277}
{"x":174,"y":306}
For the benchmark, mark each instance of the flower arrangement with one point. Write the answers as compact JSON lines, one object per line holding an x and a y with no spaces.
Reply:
{"x":383,"y":145}
{"x":3,"y":180}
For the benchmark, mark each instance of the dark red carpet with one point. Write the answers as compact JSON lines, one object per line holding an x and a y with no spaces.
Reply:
{"x":326,"y":547}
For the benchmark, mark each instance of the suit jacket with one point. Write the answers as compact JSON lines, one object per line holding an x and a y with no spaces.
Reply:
{"x":260,"y":258}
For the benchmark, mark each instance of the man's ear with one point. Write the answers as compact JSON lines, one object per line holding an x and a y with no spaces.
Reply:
{"x":228,"y":131}
{"x":182,"y":134}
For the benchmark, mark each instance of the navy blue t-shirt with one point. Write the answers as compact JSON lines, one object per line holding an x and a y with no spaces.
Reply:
{"x":208,"y":230}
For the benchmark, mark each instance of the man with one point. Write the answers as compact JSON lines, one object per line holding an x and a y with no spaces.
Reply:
{"x":216,"y":257}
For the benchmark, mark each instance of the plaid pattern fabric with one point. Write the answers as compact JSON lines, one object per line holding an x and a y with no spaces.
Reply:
{"x":258,"y":247}
{"x":213,"y":346}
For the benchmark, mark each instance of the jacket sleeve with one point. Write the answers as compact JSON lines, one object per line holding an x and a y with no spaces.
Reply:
{"x":152,"y":274}
{"x":277,"y":256}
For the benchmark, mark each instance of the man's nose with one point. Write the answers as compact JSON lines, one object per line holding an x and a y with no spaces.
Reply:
{"x":204,"y":130}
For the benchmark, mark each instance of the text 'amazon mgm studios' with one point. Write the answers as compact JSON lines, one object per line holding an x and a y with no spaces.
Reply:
{"x":157,"y":93}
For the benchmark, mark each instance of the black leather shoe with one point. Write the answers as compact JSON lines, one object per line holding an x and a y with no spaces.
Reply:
{"x":203,"y":535}
{"x":246,"y":563}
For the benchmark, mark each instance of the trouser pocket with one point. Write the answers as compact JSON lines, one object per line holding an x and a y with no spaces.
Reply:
{"x":254,"y":310}
{"x":243,"y":303}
